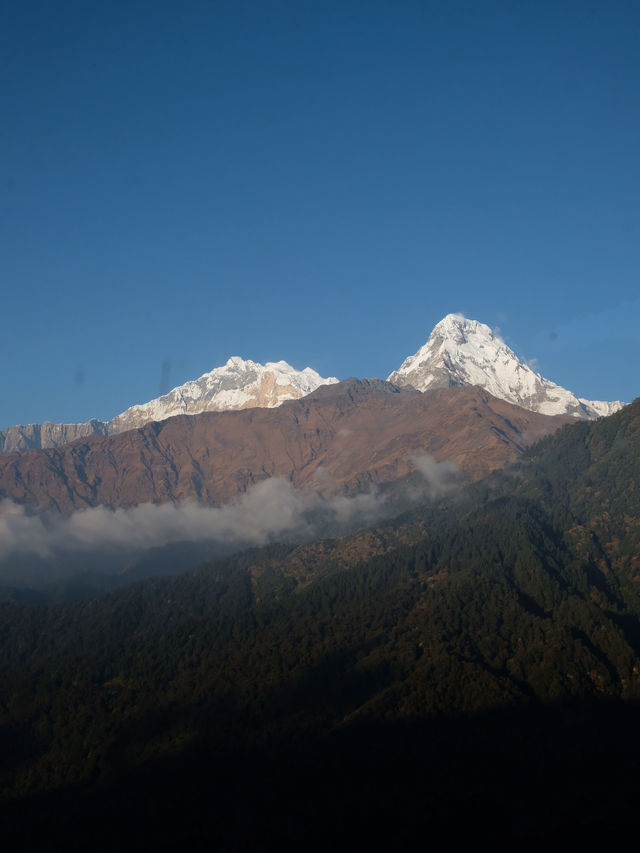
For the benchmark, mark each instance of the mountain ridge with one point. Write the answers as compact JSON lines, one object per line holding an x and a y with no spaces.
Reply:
{"x":458,"y":352}
{"x":339,"y":439}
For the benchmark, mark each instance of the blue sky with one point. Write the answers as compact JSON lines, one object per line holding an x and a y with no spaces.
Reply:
{"x":314,"y":181}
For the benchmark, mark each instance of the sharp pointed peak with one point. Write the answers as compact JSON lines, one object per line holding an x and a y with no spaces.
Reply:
{"x":460,"y":351}
{"x":455,"y":324}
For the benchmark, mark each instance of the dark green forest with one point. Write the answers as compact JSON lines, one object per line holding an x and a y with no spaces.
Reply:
{"x":469,"y":671}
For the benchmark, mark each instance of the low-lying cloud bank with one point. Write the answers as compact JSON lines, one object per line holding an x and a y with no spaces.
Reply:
{"x":270,"y":510}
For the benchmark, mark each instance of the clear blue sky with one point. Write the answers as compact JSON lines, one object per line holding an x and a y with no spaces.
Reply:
{"x":314,"y":181}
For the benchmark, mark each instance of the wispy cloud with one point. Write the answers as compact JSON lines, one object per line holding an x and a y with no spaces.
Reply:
{"x":270,"y":510}
{"x":441,"y":478}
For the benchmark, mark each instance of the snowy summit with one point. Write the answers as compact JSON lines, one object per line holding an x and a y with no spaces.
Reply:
{"x":465,"y":352}
{"x":238,"y":384}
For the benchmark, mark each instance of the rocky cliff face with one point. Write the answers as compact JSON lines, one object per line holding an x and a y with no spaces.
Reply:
{"x":463,"y":352}
{"x":30,"y":436}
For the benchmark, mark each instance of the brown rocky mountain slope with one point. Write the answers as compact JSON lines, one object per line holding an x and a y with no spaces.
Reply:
{"x":339,"y":439}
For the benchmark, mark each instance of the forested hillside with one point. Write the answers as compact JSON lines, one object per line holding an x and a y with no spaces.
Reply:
{"x":473,"y":667}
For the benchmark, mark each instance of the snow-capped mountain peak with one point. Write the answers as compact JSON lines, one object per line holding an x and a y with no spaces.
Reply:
{"x":460,"y":351}
{"x":239,"y":384}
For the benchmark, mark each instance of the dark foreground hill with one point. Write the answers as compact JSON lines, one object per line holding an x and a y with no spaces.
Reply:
{"x":475,"y":679}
